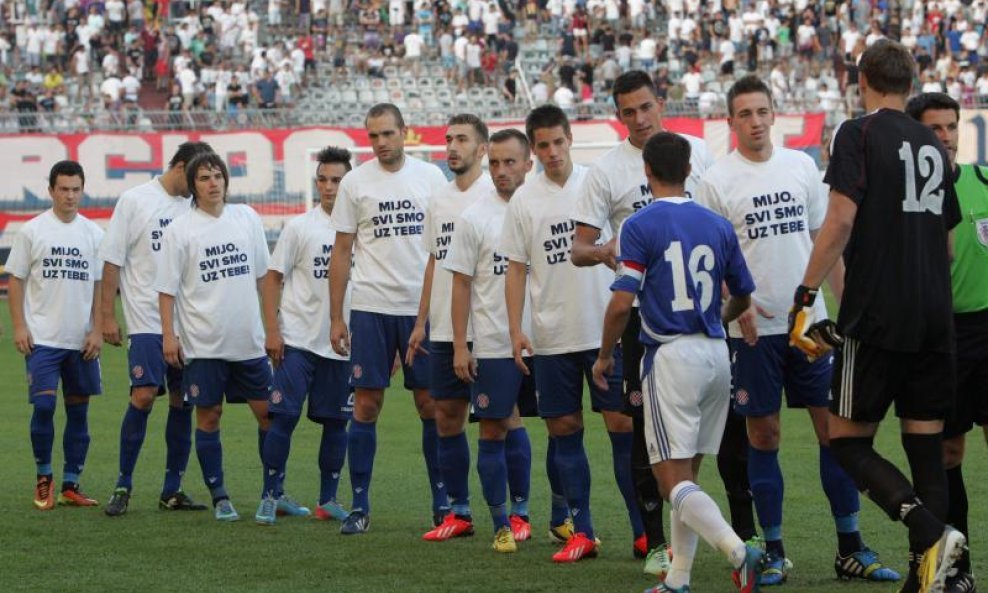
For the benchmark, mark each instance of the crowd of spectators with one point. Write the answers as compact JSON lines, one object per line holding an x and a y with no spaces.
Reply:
{"x":228,"y":55}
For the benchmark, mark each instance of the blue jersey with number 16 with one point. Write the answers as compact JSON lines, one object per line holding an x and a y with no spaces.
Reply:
{"x":674,"y":254}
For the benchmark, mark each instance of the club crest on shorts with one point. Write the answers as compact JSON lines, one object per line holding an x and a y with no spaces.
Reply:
{"x":741,"y":397}
{"x":193,"y":391}
{"x":483,"y":401}
{"x":276,"y":397}
{"x":635,"y":399}
{"x":982,"y":228}
{"x":358,"y":371}
{"x":137,"y":372}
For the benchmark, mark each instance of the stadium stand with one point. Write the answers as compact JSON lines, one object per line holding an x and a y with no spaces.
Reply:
{"x":82,"y":65}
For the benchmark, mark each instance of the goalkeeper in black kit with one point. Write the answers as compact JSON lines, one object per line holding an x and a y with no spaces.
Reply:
{"x":892,"y":208}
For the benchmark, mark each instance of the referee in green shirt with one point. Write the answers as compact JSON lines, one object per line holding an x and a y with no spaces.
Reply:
{"x":969,"y":282}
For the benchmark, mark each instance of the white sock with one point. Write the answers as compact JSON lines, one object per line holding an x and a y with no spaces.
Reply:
{"x":697,"y":510}
{"x":683,"y":541}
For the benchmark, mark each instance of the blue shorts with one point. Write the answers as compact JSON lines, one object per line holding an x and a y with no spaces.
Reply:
{"x":376,"y":338}
{"x":443,"y":382}
{"x":500,"y":386}
{"x":326,"y":381}
{"x":761,"y":372}
{"x":206,"y":380}
{"x":146,"y":361}
{"x":559,"y":384}
{"x":46,"y":365}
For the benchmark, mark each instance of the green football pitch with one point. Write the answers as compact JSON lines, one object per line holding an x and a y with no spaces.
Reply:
{"x":78,"y":550}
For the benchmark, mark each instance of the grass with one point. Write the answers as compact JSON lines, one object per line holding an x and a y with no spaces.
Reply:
{"x":148,"y":550}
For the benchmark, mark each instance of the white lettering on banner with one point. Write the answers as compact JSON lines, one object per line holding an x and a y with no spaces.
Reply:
{"x":973,"y":145}
{"x":296,"y":149}
{"x":96,"y":150}
{"x":24,"y":165}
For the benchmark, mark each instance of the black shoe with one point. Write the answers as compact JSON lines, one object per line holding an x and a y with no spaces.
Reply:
{"x":118,"y":503}
{"x":180,"y":501}
{"x":962,"y":582}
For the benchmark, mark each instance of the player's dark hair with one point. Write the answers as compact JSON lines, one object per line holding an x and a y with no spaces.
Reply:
{"x":545,"y":116}
{"x":208,"y":160}
{"x":631,"y":81}
{"x":384,"y":109}
{"x":66,"y":169}
{"x":888,"y":66}
{"x":745,"y":85}
{"x":924,"y":102}
{"x":668,"y":157}
{"x":512,"y":134}
{"x":187,"y":151}
{"x":469,"y":119}
{"x":335,"y":154}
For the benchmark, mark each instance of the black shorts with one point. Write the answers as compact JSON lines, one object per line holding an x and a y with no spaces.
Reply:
{"x":971,"y":405}
{"x":632,"y":352}
{"x":868,"y":379}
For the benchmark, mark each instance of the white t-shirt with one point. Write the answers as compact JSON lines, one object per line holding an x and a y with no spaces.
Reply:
{"x":211,"y":265}
{"x":302,"y":256}
{"x":386,"y":211}
{"x":133,"y":242}
{"x":475,"y":254}
{"x":59,"y":266}
{"x":115,"y":10}
{"x":616,"y":186}
{"x":413,"y":45}
{"x":437,"y":236}
{"x":773,"y":206}
{"x":567,"y":302}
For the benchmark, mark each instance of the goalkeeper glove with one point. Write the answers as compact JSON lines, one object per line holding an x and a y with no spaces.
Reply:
{"x":803,"y":330}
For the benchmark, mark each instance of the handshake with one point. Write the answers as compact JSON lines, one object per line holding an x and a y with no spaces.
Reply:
{"x":813,"y":338}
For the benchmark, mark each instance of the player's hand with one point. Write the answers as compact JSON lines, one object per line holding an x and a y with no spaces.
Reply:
{"x":173,"y":351}
{"x":464,"y":364}
{"x":23,"y":341}
{"x":608,"y":253}
{"x":111,"y":331}
{"x":602,"y":368}
{"x":749,"y":323}
{"x":415,"y":342}
{"x":339,"y":338}
{"x":813,"y":339}
{"x":92,"y":344}
{"x":520,"y":345}
{"x":274,"y":345}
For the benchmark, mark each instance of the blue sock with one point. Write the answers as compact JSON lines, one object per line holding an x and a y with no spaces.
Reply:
{"x":430,"y":450}
{"x":277,"y":445}
{"x":560,"y":509}
{"x":209,"y":450}
{"x":518,"y":456}
{"x":621,"y":453}
{"x":838,"y":486}
{"x":75,"y":441}
{"x":132,"y":431}
{"x":574,"y":473}
{"x":178,"y":444}
{"x":43,"y":433}
{"x":765,"y":477}
{"x":454,"y":463}
{"x":361,"y":446}
{"x":493,"y":470}
{"x":332,"y":455}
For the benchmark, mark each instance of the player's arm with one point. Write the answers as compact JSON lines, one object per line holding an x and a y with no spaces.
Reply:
{"x":94,"y":339}
{"x":586,"y":252}
{"x":170,"y":345}
{"x":417,"y":337}
{"x":734,"y":307}
{"x":339,"y":277}
{"x":464,"y":364}
{"x":831,"y":239}
{"x":835,"y":279}
{"x":274,"y":344}
{"x":514,"y":298}
{"x":615,"y":320}
{"x":111,"y":283}
{"x":23,"y":340}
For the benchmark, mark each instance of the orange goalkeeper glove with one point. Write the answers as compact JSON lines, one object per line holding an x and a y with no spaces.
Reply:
{"x":813,"y":338}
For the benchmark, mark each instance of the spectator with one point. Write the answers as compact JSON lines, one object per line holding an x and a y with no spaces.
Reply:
{"x":509,"y":88}
{"x":413,"y":43}
{"x":287,"y":83}
{"x":266,"y":91}
{"x":981,"y":87}
{"x":646,"y":52}
{"x":111,"y":92}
